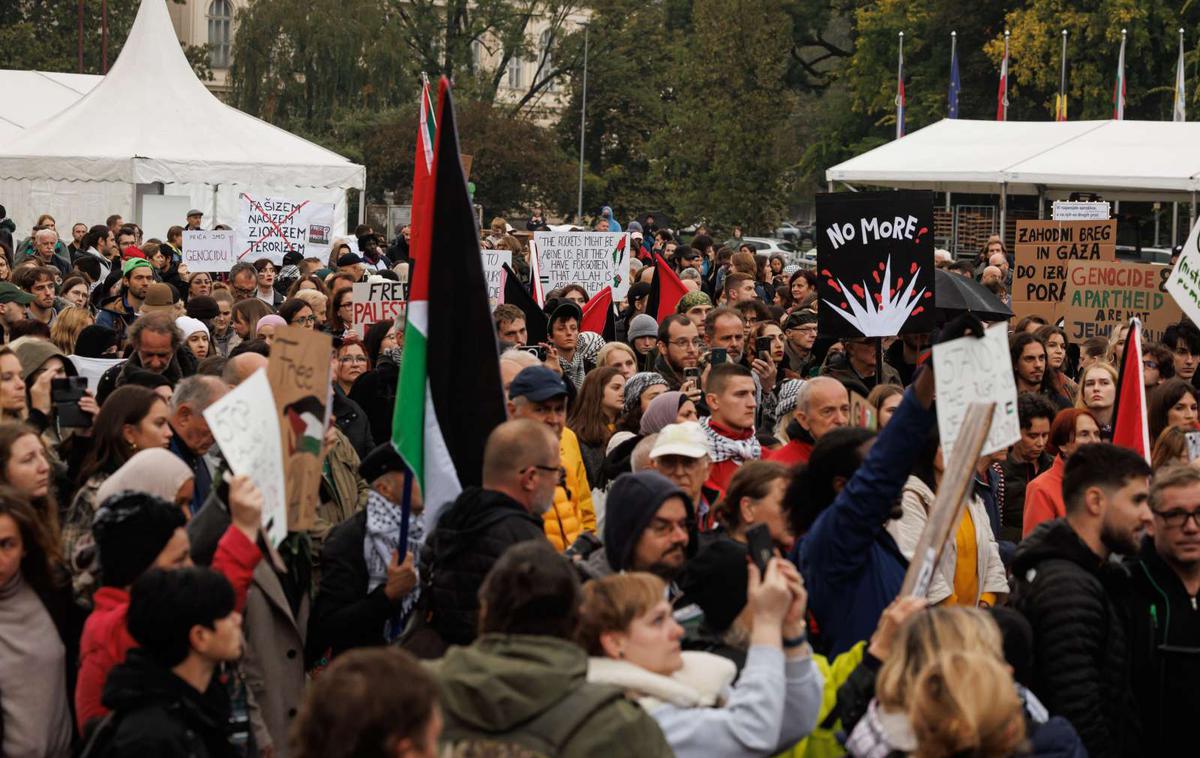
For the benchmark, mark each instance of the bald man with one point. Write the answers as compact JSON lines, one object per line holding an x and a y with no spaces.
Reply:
{"x":239,"y":368}
{"x":822,"y":405}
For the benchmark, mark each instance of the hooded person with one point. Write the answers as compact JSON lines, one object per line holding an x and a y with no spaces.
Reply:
{"x":663,"y":410}
{"x":638,"y":292}
{"x":96,"y":341}
{"x":643,"y":335}
{"x":649,"y":526}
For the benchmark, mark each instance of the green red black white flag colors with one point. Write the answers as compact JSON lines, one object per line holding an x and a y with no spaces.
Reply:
{"x":449,"y":397}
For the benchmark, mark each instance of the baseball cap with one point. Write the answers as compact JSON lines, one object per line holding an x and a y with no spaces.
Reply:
{"x":537,"y":383}
{"x":686,"y":439}
{"x":132,"y":263}
{"x":562,"y":308}
{"x":11,"y":293}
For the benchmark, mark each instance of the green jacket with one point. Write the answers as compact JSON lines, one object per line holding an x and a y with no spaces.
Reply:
{"x":492,"y":690}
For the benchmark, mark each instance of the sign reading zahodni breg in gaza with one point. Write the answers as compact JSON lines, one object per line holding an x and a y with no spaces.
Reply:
{"x":1043,"y":252}
{"x":875,"y":263}
{"x":272,"y":227}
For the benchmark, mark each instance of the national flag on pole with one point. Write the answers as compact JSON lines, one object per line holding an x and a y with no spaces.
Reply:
{"x":1060,"y":100}
{"x":1130,"y":427}
{"x":449,"y":396}
{"x":422,"y":168}
{"x":516,"y":294}
{"x":1002,"y":93}
{"x":955,"y":82}
{"x":535,"y":275}
{"x":1119,"y":84}
{"x":1180,"y":110}
{"x":598,"y":315}
{"x":666,"y":290}
{"x":901,"y":102}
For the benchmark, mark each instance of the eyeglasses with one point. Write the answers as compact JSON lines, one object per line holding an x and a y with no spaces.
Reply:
{"x":305,"y":320}
{"x":1177,"y":519}
{"x":352,"y":359}
{"x":683,"y":343}
{"x":1152,"y":365}
{"x":809,"y":328}
{"x":562,"y":472}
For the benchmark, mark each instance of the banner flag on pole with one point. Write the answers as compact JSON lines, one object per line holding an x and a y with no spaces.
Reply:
{"x":1130,"y":428}
{"x":1002,"y":94}
{"x":1119,"y":84}
{"x":1060,"y":100}
{"x":901,"y":102}
{"x":1180,"y":110}
{"x":955,"y":82}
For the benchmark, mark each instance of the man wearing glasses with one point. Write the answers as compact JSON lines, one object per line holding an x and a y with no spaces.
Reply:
{"x":1165,"y":628}
{"x":679,"y":347}
{"x":800,"y":332}
{"x":539,"y":394}
{"x":243,"y":278}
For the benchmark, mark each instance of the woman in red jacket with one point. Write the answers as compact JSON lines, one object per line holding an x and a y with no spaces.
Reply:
{"x":1043,"y":496}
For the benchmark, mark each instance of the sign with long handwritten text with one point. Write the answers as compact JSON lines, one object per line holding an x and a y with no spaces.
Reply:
{"x":594,"y":260}
{"x":1042,"y":252}
{"x":1104,"y":295}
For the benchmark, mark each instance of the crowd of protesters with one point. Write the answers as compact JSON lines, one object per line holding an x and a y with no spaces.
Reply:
{"x":603,"y":591}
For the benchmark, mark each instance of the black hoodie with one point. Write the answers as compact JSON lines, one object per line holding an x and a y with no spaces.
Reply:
{"x":159,"y":714}
{"x":470,"y":536}
{"x":1074,"y":600}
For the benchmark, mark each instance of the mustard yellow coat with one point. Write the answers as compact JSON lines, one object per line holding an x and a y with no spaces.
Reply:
{"x":570,"y":517}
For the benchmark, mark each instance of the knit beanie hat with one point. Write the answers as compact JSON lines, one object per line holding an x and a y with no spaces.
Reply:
{"x":691,"y":300}
{"x":131,"y":529}
{"x":639,"y":383}
{"x":94,"y":340}
{"x":716,"y":581}
{"x":190,"y":326}
{"x":642,"y":325}
{"x":632,"y":502}
{"x":203,"y":307}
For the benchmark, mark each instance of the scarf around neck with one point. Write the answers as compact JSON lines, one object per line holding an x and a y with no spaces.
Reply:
{"x":382,"y":538}
{"x":725,"y":448}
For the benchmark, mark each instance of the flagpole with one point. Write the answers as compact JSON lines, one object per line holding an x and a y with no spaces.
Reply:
{"x":582,"y":124}
{"x":1004,"y":81}
{"x":900,"y":90}
{"x":953,"y":69}
{"x":1180,"y":110}
{"x":1060,"y":112}
{"x":1119,"y":87}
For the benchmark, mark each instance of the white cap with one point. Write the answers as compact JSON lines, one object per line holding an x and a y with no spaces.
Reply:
{"x":686,"y":439}
{"x":190,"y":326}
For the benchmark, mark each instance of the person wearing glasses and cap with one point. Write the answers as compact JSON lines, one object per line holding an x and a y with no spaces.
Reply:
{"x":539,"y":394}
{"x":193,"y":219}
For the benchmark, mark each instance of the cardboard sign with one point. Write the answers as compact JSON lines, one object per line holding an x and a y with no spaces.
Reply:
{"x":1102,"y":296}
{"x":875,"y":260}
{"x":971,"y":370}
{"x":1042,"y":251}
{"x":271,"y":227}
{"x":298,"y":370}
{"x":593,"y":259}
{"x":376,"y":301}
{"x":1067,"y":210}
{"x":245,"y":425}
{"x":209,"y":250}
{"x":862,"y":413}
{"x":493,"y":268}
{"x":1184,"y":282}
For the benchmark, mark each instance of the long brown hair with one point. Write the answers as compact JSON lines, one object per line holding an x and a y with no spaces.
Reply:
{"x":41,"y":565}
{"x":587,"y":417}
{"x":45,"y":507}
{"x":128,"y":404}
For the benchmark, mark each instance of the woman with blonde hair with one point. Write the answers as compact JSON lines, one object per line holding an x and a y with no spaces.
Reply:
{"x":966,"y":704}
{"x":1098,"y":394}
{"x":67,"y":327}
{"x":627,"y":627}
{"x":620,"y":356}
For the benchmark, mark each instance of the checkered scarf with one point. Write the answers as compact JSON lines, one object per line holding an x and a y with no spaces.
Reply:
{"x":727,"y":448}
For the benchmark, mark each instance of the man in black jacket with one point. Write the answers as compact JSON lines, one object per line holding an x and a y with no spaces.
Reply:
{"x":166,"y":697}
{"x":1164,"y":622}
{"x":521,"y":468}
{"x":1073,"y":596}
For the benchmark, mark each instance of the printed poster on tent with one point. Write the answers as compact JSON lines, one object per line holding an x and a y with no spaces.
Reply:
{"x":875,"y":263}
{"x":593,"y":259}
{"x":272,"y":227}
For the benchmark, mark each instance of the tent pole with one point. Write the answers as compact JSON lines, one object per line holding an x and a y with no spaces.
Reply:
{"x":214,"y":205}
{"x":1003,"y":209}
{"x":362,"y":206}
{"x":947,"y":200}
{"x":1041,"y":203}
{"x":1192,"y":212}
{"x":1174,"y":223}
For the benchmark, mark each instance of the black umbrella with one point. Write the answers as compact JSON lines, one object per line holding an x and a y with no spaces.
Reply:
{"x":958,"y":293}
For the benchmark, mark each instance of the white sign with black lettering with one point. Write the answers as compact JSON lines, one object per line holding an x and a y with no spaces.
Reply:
{"x":209,"y":250}
{"x":972,"y":370}
{"x":593,"y":259}
{"x":272,"y":227}
{"x":493,"y":271}
{"x":377,"y":301}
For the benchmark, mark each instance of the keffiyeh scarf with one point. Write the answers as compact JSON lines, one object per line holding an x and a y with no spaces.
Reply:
{"x":723,"y":448}
{"x":382,"y":539}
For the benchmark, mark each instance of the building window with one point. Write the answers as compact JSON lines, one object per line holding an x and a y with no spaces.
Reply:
{"x":220,"y":21}
{"x":516,"y":71}
{"x":547,"y":62}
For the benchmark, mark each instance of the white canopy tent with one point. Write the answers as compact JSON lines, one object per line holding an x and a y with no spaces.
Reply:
{"x":151,"y":127}
{"x":33,"y":96}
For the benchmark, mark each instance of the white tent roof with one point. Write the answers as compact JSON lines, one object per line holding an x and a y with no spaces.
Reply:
{"x":152,"y":120}
{"x":1123,"y":158}
{"x":32,"y":96}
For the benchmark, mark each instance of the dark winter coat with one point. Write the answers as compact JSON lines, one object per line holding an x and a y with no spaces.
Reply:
{"x":159,"y":714}
{"x":1164,"y":636}
{"x":471,"y":535}
{"x":1074,"y":600}
{"x":345,"y":615}
{"x":375,"y":393}
{"x":351,"y":419}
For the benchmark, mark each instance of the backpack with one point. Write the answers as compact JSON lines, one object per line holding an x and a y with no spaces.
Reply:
{"x":542,"y":736}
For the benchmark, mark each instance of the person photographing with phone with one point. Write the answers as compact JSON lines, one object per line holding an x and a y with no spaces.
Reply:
{"x":679,"y":347}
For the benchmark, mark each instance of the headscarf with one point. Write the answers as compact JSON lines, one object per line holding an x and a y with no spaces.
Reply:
{"x":270,"y":319}
{"x":155,"y":470}
{"x":662,"y":411}
{"x":94,"y":340}
{"x":639,"y":383}
{"x":789,"y":389}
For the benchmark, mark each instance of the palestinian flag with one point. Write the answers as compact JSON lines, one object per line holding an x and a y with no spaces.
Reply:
{"x":422,"y":169}
{"x":598,"y":315}
{"x":449,"y":397}
{"x":1130,"y":414}
{"x":666,"y":289}
{"x":516,"y":294}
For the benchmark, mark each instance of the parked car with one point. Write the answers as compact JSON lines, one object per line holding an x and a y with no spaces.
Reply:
{"x":794,"y":233}
{"x":770,"y":246}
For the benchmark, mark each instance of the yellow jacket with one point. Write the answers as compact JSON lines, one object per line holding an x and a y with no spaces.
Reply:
{"x":569,"y":518}
{"x":822,"y":743}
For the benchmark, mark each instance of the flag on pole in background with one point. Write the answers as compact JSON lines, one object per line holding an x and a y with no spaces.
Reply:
{"x":1180,"y":109}
{"x":1119,"y":84}
{"x":666,"y":290}
{"x":516,"y":294}
{"x":901,"y":102}
{"x":1130,"y":427}
{"x":1060,"y":100}
{"x":955,"y":82}
{"x":444,"y":413}
{"x":1002,"y":93}
{"x":598,"y":315}
{"x":422,"y":168}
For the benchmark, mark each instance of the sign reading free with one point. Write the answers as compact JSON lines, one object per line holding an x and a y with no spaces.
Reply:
{"x":377,"y":301}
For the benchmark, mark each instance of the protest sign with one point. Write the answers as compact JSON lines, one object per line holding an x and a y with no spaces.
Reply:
{"x":271,"y":227}
{"x":298,"y":370}
{"x":875,"y":260}
{"x":493,"y":267}
{"x":970,"y":370}
{"x":1184,"y":282}
{"x":951,"y":499}
{"x":209,"y":250}
{"x":376,"y":301}
{"x":93,"y":368}
{"x":1102,"y":296}
{"x":246,"y":427}
{"x":593,"y":259}
{"x":1042,"y":251}
{"x":862,"y":413}
{"x":1067,"y":210}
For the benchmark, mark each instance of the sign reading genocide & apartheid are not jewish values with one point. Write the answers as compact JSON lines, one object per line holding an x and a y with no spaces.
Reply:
{"x":875,"y":263}
{"x":1103,"y":295}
